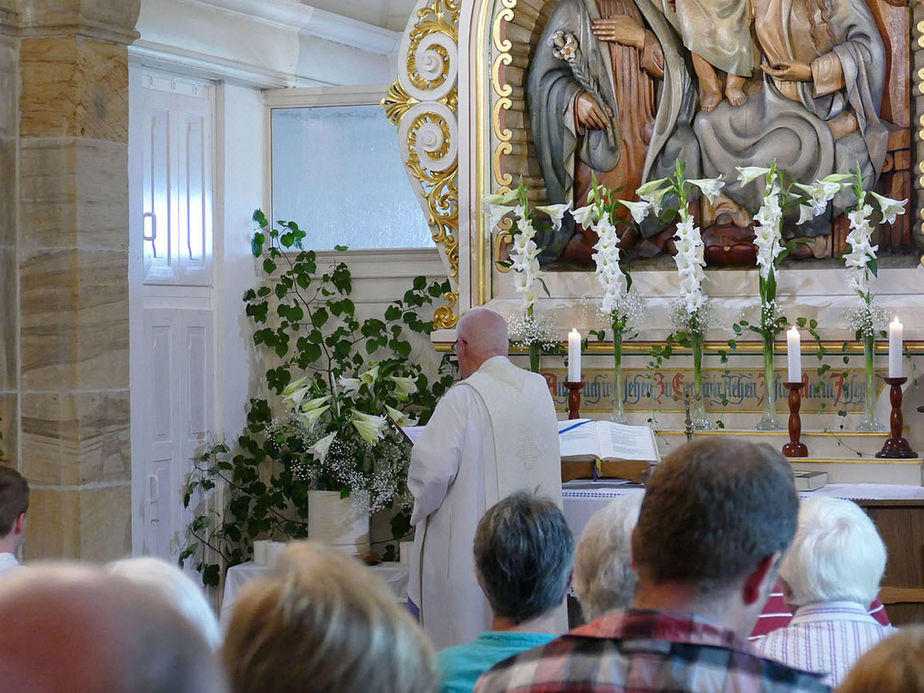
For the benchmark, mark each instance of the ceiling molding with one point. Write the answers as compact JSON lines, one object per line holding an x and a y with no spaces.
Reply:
{"x":289,"y":14}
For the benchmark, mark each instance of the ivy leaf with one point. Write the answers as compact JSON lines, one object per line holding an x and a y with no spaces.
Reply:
{"x":319,"y":317}
{"x":341,"y":248}
{"x":256,"y":243}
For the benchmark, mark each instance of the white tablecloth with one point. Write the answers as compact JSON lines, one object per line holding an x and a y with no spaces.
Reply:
{"x":581,"y":499}
{"x":393,"y":574}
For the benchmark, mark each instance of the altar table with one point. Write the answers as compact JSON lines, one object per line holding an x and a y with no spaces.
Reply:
{"x":581,"y":499}
{"x":393,"y":574}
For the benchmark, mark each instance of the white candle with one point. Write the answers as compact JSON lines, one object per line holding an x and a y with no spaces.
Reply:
{"x":794,"y":354}
{"x":895,"y":348}
{"x":574,"y":356}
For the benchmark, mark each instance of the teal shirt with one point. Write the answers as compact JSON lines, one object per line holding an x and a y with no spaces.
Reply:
{"x":461,"y":665}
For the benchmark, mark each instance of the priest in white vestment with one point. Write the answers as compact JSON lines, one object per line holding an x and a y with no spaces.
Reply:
{"x":494,"y":433}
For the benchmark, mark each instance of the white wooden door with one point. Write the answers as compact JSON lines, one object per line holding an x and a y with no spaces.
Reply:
{"x":171,"y":157}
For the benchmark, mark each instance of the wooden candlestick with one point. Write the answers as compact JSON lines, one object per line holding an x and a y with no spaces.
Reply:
{"x":795,"y":448}
{"x":895,"y":446}
{"x":574,"y":399}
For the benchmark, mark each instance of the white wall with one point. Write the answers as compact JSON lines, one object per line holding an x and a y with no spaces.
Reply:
{"x":240,"y":166}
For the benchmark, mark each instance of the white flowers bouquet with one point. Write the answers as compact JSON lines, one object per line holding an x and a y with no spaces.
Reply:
{"x":690,"y":310}
{"x":690,"y":313}
{"x":618,"y":303}
{"x":523,"y":260}
{"x":332,"y":442}
{"x":523,"y":253}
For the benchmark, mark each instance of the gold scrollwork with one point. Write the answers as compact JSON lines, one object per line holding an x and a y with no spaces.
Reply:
{"x":439,"y":18}
{"x":439,"y":188}
{"x":501,"y":90}
{"x":397,"y":102}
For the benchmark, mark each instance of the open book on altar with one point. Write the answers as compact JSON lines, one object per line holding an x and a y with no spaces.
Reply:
{"x":623,"y":451}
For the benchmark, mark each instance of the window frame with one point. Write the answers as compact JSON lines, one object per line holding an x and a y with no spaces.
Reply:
{"x":307,"y":97}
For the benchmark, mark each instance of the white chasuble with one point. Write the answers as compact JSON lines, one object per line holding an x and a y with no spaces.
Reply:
{"x":491,"y":435}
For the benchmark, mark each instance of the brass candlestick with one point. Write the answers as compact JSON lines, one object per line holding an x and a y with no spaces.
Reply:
{"x":895,"y":446}
{"x":574,"y":399}
{"x":795,"y":448}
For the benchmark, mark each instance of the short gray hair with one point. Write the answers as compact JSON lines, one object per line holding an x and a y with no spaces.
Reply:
{"x":603,"y":576}
{"x":523,"y":553}
{"x":160,"y":577}
{"x":837,"y":554}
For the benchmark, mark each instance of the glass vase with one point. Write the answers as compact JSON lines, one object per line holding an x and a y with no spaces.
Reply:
{"x":698,"y":418}
{"x":619,"y":405}
{"x":769,"y":420}
{"x":535,"y":356}
{"x":870,"y":424}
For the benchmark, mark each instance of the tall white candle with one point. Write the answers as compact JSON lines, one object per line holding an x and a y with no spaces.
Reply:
{"x":794,"y":354}
{"x":895,"y":348}
{"x":574,"y":356}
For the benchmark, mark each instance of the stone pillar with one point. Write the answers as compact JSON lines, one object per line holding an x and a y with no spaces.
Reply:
{"x":72,"y":247}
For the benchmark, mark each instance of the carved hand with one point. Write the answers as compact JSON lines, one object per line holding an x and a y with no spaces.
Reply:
{"x":589,"y":113}
{"x":789,"y":71}
{"x":620,"y":29}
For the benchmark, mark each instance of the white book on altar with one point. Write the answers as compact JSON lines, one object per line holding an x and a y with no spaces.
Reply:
{"x":583,"y":440}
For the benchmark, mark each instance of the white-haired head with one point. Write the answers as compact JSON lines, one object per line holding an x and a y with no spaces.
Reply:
{"x":837,"y":554}
{"x":603,"y":577}
{"x":179,"y":589}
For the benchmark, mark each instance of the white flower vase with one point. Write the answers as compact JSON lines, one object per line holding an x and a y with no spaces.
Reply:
{"x":339,"y":522}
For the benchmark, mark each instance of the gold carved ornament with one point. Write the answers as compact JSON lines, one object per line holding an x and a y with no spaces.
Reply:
{"x":430,"y":129}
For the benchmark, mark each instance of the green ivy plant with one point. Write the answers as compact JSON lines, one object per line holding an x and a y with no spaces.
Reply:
{"x":332,"y":378}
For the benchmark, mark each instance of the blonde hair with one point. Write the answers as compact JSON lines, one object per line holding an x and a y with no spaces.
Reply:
{"x":895,"y":665}
{"x":324,"y":622}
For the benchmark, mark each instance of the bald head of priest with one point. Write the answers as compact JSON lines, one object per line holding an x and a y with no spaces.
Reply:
{"x":480,"y":335}
{"x":492,"y":434}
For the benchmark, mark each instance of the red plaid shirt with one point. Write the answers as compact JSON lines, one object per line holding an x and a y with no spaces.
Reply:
{"x":641,"y":651}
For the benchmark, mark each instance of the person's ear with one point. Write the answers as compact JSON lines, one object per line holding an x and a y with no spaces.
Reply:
{"x":20,"y":525}
{"x":755,"y":583}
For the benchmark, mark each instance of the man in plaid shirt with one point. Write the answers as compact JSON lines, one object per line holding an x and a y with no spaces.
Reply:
{"x":716,"y":519}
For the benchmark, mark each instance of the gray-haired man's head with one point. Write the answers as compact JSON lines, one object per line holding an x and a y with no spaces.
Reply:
{"x":523,"y":555}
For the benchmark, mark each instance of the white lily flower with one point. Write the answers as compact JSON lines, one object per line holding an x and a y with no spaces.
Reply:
{"x":556,"y":212}
{"x":584,"y":216}
{"x":654,"y":194}
{"x":320,"y":447}
{"x":890,"y":208}
{"x":494,"y":214}
{"x":404,"y":386}
{"x":369,"y":376}
{"x":638,"y":209}
{"x":519,"y":212}
{"x":294,"y":385}
{"x":651,"y":187}
{"x":298,"y":396}
{"x":312,"y":415}
{"x":399,"y":417}
{"x":837,"y":177}
{"x":711,"y":187}
{"x":502,"y":198}
{"x":748,"y":173}
{"x":349,"y":386}
{"x":371,"y":428}
{"x":806,"y":213}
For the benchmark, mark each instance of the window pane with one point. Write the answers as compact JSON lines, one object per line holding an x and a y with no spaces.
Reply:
{"x":338,"y":173}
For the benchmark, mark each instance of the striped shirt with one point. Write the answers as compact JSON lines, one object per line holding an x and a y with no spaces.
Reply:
{"x":777,"y":615}
{"x":826,"y":638}
{"x":641,"y":651}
